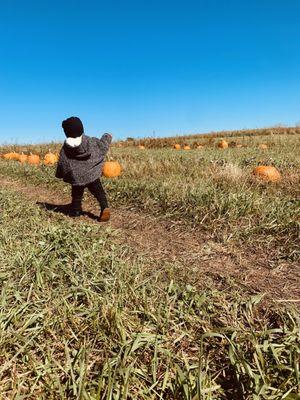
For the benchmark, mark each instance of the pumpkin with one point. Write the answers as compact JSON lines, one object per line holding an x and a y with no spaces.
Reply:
{"x":33,"y":159}
{"x":186,"y":147}
{"x":267,"y":173}
{"x":263,"y":146}
{"x":22,"y":158}
{"x":7,"y":156}
{"x":50,"y":158}
{"x":15,"y":156}
{"x":111,"y":169}
{"x":141,"y":147}
{"x":11,"y":156}
{"x":177,"y":146}
{"x":223,"y":144}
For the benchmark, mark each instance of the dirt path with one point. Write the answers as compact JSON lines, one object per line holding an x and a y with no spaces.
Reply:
{"x":203,"y":261}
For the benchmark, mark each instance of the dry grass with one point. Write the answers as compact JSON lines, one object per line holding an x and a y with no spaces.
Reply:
{"x":230,"y":173}
{"x":83,"y":317}
{"x":211,"y":139}
{"x":211,"y":189}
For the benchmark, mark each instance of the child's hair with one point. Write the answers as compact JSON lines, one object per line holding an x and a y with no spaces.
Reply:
{"x":72,"y":127}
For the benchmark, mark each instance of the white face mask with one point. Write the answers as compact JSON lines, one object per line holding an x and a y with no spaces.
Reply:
{"x":74,"y":142}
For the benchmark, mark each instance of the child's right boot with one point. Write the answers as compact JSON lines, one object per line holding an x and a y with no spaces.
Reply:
{"x":75,"y":213}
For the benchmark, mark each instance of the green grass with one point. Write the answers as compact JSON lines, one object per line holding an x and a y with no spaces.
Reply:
{"x":84,"y":318}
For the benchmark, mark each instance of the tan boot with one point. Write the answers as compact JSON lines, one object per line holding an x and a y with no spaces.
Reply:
{"x":105,"y":215}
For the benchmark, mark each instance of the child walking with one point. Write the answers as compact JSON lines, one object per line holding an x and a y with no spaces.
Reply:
{"x":80,"y":163}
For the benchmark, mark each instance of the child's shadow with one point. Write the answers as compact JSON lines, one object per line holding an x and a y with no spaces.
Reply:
{"x":64,"y":209}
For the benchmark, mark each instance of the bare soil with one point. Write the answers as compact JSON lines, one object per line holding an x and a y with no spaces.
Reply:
{"x":199,"y":260}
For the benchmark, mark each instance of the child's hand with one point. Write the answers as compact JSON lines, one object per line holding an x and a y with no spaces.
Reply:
{"x":105,"y":141}
{"x":107,"y":134}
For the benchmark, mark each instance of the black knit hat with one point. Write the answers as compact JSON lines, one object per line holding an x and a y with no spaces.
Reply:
{"x":72,"y":127}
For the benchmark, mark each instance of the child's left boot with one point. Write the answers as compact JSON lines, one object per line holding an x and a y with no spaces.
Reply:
{"x":104,"y":215}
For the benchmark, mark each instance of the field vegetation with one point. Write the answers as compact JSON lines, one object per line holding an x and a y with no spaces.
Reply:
{"x":85,"y":315}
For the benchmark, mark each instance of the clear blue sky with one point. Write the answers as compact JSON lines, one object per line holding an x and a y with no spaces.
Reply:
{"x":134,"y":67}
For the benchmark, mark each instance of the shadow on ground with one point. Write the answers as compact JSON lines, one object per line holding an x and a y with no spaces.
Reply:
{"x":64,"y":209}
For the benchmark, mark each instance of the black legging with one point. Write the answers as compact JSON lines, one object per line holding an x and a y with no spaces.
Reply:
{"x":97,"y":191}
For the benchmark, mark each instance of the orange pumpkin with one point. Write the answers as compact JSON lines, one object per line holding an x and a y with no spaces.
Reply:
{"x":50,"y":158}
{"x":141,"y":147}
{"x":263,"y":146}
{"x":186,"y":147}
{"x":33,"y":159}
{"x":177,"y":146}
{"x":223,"y":144}
{"x":111,"y":169}
{"x":267,"y":173}
{"x":11,"y":156}
{"x":15,"y":156}
{"x":22,"y":158}
{"x":7,"y":156}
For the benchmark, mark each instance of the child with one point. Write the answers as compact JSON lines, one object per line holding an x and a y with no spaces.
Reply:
{"x":80,"y":163}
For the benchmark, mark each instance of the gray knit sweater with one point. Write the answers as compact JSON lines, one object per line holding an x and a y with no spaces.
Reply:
{"x":83,"y":164}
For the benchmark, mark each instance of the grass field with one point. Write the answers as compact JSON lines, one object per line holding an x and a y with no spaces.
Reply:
{"x":122,"y":311}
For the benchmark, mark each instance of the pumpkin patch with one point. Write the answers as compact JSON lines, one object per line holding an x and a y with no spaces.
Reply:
{"x":181,"y":296}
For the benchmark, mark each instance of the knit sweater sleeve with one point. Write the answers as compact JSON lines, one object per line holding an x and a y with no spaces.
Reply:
{"x":104,"y":142}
